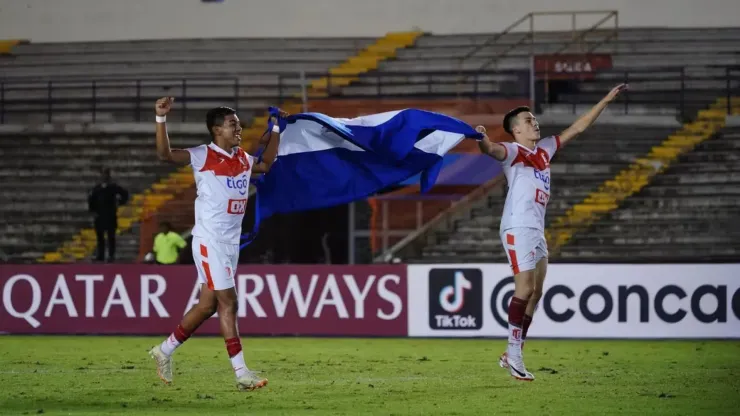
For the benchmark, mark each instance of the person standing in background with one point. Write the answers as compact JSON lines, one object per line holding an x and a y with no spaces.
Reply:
{"x":167,"y":245}
{"x":103,"y":201}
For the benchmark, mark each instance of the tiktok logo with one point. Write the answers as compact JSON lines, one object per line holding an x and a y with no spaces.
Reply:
{"x":455,"y":299}
{"x":452,"y":298}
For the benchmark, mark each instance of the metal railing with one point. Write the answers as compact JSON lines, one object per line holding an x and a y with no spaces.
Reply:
{"x":580,"y":38}
{"x":527,"y":37}
{"x":530,"y":33}
{"x":682,"y":88}
{"x":381,"y":232}
{"x":129,"y":98}
{"x":407,"y":237}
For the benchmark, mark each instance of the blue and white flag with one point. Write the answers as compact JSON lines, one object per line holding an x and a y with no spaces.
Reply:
{"x":324,"y":161}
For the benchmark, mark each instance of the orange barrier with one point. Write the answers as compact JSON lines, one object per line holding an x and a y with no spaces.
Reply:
{"x":411,"y":213}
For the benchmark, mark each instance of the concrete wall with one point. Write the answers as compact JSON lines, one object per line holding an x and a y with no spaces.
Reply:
{"x":86,"y":20}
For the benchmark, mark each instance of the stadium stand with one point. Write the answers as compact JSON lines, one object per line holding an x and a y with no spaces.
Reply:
{"x":581,"y":167}
{"x":118,"y":81}
{"x":612,"y":199}
{"x":197,"y":93}
{"x":665,"y":79}
{"x":439,"y":59}
{"x":689,"y":212}
{"x":66,"y":166}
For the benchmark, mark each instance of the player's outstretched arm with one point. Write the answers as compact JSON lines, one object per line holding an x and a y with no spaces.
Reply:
{"x":487,"y":147}
{"x":268,"y":158}
{"x":586,"y":120}
{"x":164,"y":151}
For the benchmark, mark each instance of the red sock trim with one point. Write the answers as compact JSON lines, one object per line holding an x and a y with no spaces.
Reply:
{"x":233,"y":346}
{"x":517,"y":307}
{"x":526,"y":321}
{"x":181,"y":335}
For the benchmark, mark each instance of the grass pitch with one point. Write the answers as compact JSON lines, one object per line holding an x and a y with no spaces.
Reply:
{"x":114,"y":375}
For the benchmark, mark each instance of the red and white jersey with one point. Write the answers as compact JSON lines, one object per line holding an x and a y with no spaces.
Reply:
{"x":528,"y":174}
{"x":222,"y":182}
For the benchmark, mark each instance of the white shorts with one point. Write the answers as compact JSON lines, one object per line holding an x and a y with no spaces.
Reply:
{"x":216,"y":263}
{"x":524,"y":248}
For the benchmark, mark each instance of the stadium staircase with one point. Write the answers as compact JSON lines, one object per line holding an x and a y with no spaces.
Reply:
{"x":686,"y":214}
{"x":632,"y":179}
{"x":143,"y":205}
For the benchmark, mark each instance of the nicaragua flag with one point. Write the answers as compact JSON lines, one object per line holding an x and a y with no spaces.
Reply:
{"x":324,"y":161}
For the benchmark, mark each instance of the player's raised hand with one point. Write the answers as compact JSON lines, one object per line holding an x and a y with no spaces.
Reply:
{"x":482,"y":130}
{"x":164,"y":105}
{"x":282,"y":114}
{"x":616,"y":91}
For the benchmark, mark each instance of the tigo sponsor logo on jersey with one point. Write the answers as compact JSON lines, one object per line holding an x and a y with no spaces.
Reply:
{"x":241,"y":184}
{"x":545,"y":178}
{"x":455,"y":299}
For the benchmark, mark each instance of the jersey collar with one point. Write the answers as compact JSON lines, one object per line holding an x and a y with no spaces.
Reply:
{"x":213,"y":146}
{"x":526,"y":149}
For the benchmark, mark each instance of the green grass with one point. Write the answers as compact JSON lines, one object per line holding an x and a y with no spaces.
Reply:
{"x":114,"y":375}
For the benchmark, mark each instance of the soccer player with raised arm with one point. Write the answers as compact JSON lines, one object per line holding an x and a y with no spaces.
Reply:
{"x":526,"y":164}
{"x":222,"y":171}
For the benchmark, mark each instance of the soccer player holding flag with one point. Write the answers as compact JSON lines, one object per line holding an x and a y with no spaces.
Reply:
{"x":526,"y":164}
{"x":322,"y":162}
{"x":222,"y":171}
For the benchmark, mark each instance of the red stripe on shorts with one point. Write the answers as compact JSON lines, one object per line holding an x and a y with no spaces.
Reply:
{"x":512,"y":253}
{"x":207,"y":271}
{"x":514,"y":262}
{"x":203,"y":250}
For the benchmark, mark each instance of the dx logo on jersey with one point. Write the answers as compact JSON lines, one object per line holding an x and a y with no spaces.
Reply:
{"x":237,"y":206}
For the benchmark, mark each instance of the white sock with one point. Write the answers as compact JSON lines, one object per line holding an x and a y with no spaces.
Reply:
{"x":238,"y":364}
{"x":515,"y":341}
{"x":169,"y":345}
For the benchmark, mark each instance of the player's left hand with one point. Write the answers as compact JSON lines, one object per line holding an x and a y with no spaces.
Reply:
{"x":482,"y":130}
{"x":616,"y":91}
{"x":282,"y":113}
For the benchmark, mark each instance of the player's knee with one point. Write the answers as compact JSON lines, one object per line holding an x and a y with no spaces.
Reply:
{"x":524,"y":286}
{"x":207,"y":308}
{"x":229,"y":307}
{"x":525,"y":291}
{"x":536,"y":294}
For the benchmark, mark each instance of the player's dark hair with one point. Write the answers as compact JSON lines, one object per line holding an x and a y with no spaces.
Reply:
{"x":216,"y":116}
{"x":510,"y":118}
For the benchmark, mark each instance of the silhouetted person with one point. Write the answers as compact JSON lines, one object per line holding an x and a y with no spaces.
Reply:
{"x":103,"y":201}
